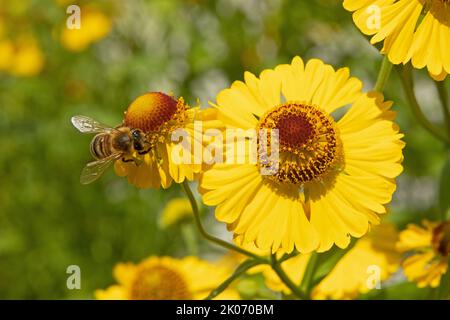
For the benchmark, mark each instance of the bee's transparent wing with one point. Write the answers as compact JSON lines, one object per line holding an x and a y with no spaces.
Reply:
{"x":88,"y":125}
{"x":93,"y":170}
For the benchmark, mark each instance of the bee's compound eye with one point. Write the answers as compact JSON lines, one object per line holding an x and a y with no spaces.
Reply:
{"x":136,"y":134}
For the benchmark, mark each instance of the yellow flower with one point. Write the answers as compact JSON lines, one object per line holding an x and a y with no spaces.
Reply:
{"x":335,"y":173}
{"x":430,"y":247}
{"x":166,"y":278}
{"x":95,"y":25}
{"x":6,"y":54}
{"x":21,"y":57}
{"x":351,"y":275}
{"x":416,"y":30}
{"x":28,"y":60}
{"x":159,"y":115}
{"x":176,"y":210}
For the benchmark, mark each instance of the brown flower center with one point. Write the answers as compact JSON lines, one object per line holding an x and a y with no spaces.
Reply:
{"x":308,"y":142}
{"x":159,"y":283}
{"x":294,"y":130}
{"x":155,"y":112}
{"x":441,"y":238}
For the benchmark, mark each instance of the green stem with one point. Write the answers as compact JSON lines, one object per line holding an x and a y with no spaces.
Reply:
{"x":408,"y":86}
{"x":211,"y":238}
{"x":285,"y":278}
{"x":383,"y":74}
{"x":443,"y":96}
{"x":240,"y":270}
{"x":288,"y":256}
{"x":308,"y":276}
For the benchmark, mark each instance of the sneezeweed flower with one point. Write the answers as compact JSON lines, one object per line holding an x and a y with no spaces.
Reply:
{"x":21,"y":57}
{"x":166,"y":278}
{"x":94,"y":26}
{"x":353,"y":274}
{"x":159,"y":115}
{"x":429,"y":246}
{"x":335,"y":174}
{"x":412,"y":30}
{"x":175,"y":211}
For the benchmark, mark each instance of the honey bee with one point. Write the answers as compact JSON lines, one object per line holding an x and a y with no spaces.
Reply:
{"x":109,"y":144}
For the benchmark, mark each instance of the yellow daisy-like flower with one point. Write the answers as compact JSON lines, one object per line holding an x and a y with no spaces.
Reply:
{"x":21,"y":57}
{"x":166,"y":278}
{"x":159,"y":115}
{"x":335,"y":173}
{"x":412,"y":30}
{"x":176,"y":210}
{"x":95,"y":25}
{"x":352,"y":274}
{"x":430,"y":248}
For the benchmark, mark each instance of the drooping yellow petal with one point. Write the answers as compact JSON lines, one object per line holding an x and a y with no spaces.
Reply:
{"x":406,"y":35}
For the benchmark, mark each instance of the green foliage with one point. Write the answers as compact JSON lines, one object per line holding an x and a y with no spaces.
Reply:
{"x":400,"y":291}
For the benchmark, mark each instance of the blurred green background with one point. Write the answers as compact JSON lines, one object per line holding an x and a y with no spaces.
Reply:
{"x":193,"y":48}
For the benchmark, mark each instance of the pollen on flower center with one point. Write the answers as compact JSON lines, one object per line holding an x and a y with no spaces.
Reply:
{"x":159,"y":283}
{"x":153,"y":111}
{"x":308,"y":142}
{"x":294,"y":130}
{"x":441,"y":238}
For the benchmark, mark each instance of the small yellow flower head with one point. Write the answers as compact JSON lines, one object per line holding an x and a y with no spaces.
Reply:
{"x":158,"y":115}
{"x":175,"y":211}
{"x":430,"y":248}
{"x":21,"y":57}
{"x":412,"y":30}
{"x":29,"y":59}
{"x":95,"y":25}
{"x":166,"y":278}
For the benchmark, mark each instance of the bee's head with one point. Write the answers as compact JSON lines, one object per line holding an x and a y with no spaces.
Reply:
{"x":139,"y":140}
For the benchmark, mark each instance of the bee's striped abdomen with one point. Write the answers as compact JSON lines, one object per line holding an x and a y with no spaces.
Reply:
{"x":101,"y":146}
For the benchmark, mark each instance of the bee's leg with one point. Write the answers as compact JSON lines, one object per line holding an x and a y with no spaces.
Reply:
{"x":136,"y":161}
{"x":142,"y":152}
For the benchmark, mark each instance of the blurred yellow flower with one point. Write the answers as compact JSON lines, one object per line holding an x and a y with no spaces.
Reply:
{"x":166,"y":278}
{"x":21,"y":57}
{"x":95,"y":25}
{"x":28,"y":60}
{"x":175,"y":211}
{"x":430,"y":248}
{"x":6,"y":54}
{"x":412,"y":30}
{"x":351,"y":275}
{"x":159,"y":115}
{"x":334,"y":175}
